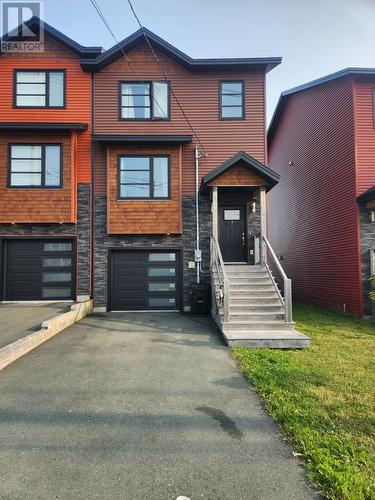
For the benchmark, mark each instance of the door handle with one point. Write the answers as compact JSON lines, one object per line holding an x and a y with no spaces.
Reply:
{"x":243,"y":239}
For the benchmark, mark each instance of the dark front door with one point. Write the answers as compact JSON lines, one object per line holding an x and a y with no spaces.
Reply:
{"x":233,"y":234}
{"x":145,"y":279}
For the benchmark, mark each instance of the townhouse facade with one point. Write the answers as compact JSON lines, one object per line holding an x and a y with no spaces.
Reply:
{"x":136,"y":175}
{"x":45,"y":171}
{"x":321,"y":220}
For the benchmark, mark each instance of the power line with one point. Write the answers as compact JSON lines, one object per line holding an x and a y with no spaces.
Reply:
{"x":164,"y":73}
{"x":105,"y":22}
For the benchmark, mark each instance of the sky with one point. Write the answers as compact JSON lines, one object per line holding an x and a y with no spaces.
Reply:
{"x":314,"y":37}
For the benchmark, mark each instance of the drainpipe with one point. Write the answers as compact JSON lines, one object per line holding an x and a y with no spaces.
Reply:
{"x":198,"y":253}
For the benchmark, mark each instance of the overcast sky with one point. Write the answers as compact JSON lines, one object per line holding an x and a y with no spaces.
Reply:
{"x":314,"y":37}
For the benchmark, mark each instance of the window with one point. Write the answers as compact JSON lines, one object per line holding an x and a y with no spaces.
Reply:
{"x":232,"y":100}
{"x":35,"y":165}
{"x":39,"y":89}
{"x":144,"y":177}
{"x":144,"y":100}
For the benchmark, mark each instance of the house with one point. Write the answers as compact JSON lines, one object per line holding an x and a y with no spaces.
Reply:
{"x":321,"y":215}
{"x":45,"y":171}
{"x":164,"y":186}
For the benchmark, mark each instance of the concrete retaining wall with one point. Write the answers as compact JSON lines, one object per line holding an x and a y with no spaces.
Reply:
{"x":49,"y":328}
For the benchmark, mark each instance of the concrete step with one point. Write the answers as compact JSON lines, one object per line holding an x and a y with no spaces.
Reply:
{"x":254,"y":287}
{"x":257,"y":316}
{"x":275,"y":339}
{"x":247,"y":275}
{"x":249,"y":300}
{"x":244,"y":267}
{"x":255,"y":279}
{"x":257,"y":325}
{"x":254,"y":295}
{"x":255,"y":306}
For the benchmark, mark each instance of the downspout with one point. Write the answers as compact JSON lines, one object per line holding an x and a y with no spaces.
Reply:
{"x":92,"y":232}
{"x":198,"y":253}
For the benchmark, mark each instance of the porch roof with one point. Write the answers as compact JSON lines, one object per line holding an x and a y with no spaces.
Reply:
{"x":243,"y":160}
{"x":368,"y":195}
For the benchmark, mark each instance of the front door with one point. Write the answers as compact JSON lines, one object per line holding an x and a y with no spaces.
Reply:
{"x":233,"y":234}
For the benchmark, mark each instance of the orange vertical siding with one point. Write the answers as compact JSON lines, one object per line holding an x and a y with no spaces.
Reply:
{"x":78,"y":96}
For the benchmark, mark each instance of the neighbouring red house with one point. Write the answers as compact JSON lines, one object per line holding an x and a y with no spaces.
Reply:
{"x":321,"y":141}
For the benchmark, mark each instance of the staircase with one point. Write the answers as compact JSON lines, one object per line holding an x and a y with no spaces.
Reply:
{"x":249,"y":307}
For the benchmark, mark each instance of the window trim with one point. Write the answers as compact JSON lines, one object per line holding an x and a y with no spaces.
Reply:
{"x":243,"y":116}
{"x":143,"y":198}
{"x":43,"y":172}
{"x":150,"y":82}
{"x":36,"y":70}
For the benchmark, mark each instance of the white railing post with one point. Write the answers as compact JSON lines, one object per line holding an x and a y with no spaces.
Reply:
{"x":372,"y":286}
{"x":288,"y":300}
{"x":226,"y":300}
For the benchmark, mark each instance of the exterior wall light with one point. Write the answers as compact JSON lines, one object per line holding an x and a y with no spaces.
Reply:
{"x":253,"y":207}
{"x":371,"y":216}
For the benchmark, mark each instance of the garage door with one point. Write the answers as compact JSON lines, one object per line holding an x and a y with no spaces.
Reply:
{"x":39,"y":270}
{"x":143,"y":280}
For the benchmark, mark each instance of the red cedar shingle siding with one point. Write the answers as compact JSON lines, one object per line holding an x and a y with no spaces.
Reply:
{"x":78,"y":96}
{"x":313,"y":214}
{"x":35,"y":205}
{"x":364,"y":134}
{"x":199,"y":96}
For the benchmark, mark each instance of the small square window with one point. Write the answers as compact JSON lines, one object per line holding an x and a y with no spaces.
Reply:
{"x":143,"y":177}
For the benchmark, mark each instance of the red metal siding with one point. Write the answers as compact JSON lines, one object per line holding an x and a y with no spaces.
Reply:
{"x":198,"y":94}
{"x":313,"y":214}
{"x":364,"y":134}
{"x":78,"y":96}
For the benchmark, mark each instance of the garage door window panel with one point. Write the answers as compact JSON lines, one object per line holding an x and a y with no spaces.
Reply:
{"x":146,"y":177}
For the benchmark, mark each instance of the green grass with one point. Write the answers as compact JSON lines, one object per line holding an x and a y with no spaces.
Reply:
{"x":324,"y":399}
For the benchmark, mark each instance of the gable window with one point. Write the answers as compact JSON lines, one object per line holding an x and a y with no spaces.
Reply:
{"x":144,"y":177}
{"x":35,"y":165}
{"x":39,"y":89}
{"x":232,"y":100}
{"x":144,"y":100}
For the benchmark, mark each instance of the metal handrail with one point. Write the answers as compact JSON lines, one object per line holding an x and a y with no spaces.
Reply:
{"x":220,"y":301}
{"x":287,"y":282}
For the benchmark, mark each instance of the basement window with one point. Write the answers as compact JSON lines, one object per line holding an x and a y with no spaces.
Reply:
{"x":39,"y":89}
{"x":35,"y":165}
{"x":143,"y":177}
{"x":232,"y":100}
{"x":144,"y":100}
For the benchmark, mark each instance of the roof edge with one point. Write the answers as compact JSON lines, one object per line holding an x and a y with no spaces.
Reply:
{"x":137,"y":37}
{"x":313,"y":83}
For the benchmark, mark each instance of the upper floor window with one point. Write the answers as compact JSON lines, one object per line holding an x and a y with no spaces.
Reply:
{"x":39,"y":89}
{"x":232,"y":100}
{"x":35,"y":165}
{"x":144,"y":177}
{"x":144,"y":100}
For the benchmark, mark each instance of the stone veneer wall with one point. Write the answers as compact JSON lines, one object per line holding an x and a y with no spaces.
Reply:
{"x":367,"y":233}
{"x":81,"y":230}
{"x":187,"y":240}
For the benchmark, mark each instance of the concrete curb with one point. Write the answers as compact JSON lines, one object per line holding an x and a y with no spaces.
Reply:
{"x":49,"y":328}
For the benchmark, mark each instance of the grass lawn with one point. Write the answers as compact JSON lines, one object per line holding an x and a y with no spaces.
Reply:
{"x":324,"y":398}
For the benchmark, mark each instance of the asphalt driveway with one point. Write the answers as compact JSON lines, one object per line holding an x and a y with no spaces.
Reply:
{"x":19,"y":320}
{"x":138,"y":406}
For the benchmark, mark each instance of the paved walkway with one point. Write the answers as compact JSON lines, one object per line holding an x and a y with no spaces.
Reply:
{"x":19,"y":320}
{"x":138,"y":407}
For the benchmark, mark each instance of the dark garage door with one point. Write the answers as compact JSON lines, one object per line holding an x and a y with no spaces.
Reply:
{"x":143,"y":280}
{"x":39,"y":270}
